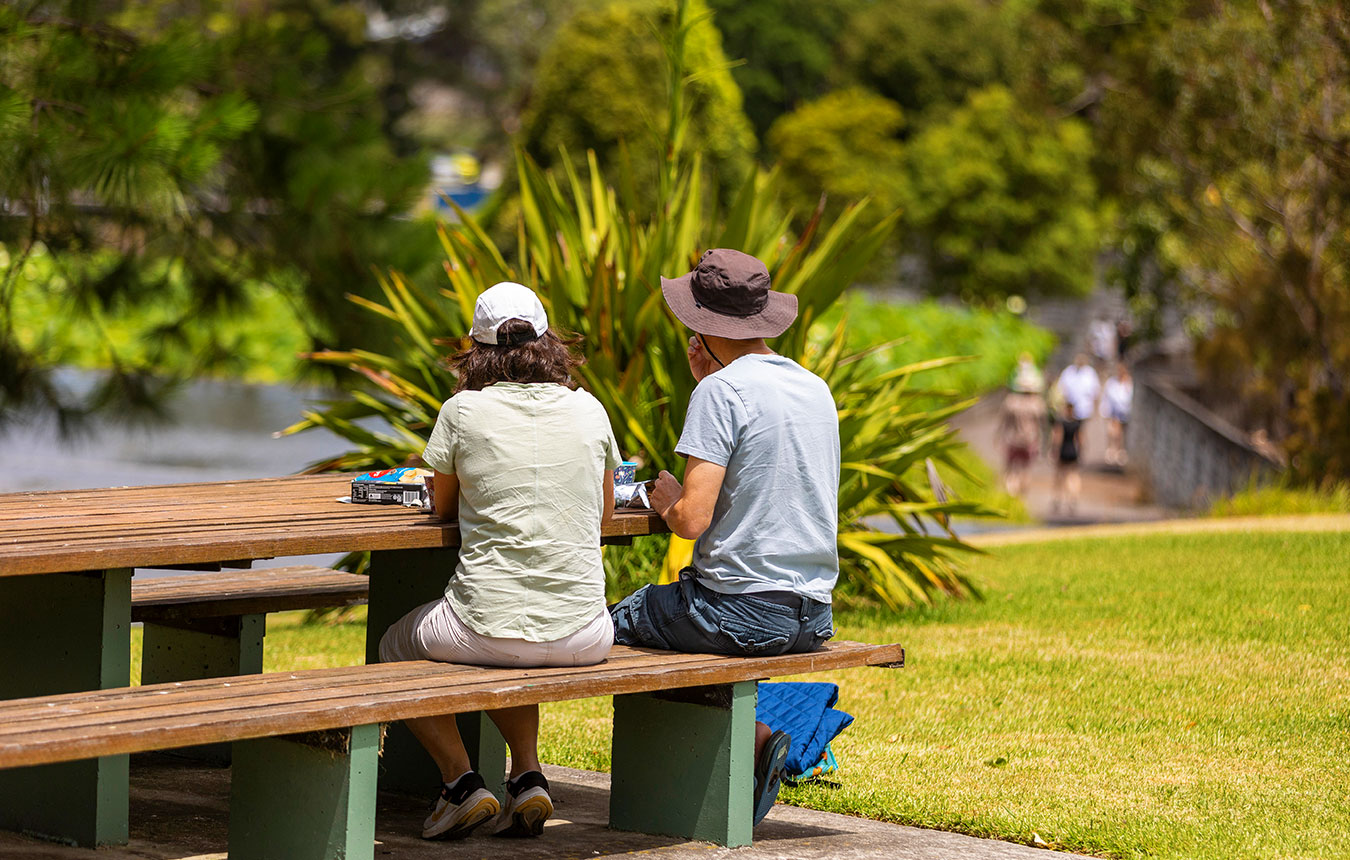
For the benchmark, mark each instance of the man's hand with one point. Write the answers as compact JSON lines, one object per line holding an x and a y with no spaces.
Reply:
{"x":666,"y":493}
{"x":688,"y":509}
{"x":700,"y":363}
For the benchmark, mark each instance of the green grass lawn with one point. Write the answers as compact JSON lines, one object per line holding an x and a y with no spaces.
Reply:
{"x":1169,"y":697}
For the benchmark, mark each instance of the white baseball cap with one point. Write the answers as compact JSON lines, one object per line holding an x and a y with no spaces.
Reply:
{"x":502,"y":302}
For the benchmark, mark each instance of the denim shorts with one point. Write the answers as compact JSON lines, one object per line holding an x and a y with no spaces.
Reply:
{"x":688,"y":616}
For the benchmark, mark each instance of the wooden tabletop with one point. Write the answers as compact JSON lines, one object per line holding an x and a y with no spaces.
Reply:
{"x":71,"y":530}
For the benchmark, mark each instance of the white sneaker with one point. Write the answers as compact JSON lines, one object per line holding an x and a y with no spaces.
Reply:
{"x":460,"y":808}
{"x":528,"y":806}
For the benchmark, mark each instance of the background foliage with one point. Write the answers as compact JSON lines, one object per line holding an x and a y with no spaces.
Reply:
{"x":597,"y":265}
{"x":926,"y":55}
{"x":1250,"y":165}
{"x":1004,"y":201}
{"x":1193,"y":153}
{"x":598,"y":89}
{"x":201,"y":152}
{"x":844,"y":145}
{"x":785,"y":48}
{"x":921,"y":330}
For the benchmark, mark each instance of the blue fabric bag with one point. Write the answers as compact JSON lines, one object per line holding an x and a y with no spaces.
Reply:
{"x":804,"y":710}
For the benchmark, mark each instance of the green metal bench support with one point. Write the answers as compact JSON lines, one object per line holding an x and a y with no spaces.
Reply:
{"x":187,"y":649}
{"x":305,"y":797}
{"x":63,"y":633}
{"x":683,"y":763}
{"x":400,"y":581}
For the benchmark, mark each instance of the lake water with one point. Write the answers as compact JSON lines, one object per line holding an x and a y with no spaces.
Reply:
{"x":216,"y":431}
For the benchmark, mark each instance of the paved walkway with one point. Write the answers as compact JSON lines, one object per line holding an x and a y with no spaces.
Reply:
{"x":1109,"y":494}
{"x":180,"y":812}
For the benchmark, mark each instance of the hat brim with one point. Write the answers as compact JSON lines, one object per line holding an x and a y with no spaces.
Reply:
{"x":778,"y":313}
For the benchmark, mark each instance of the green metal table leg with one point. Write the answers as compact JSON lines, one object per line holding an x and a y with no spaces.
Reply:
{"x":188,"y":649}
{"x":683,"y":763}
{"x":305,"y":797}
{"x":400,"y":581}
{"x":65,"y":633}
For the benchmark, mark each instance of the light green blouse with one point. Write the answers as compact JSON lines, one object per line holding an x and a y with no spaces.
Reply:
{"x":531,"y":459}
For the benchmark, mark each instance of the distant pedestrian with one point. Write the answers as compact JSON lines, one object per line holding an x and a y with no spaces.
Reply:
{"x":1124,"y":337}
{"x":1117,"y":398}
{"x":1066,"y":443}
{"x":1021,"y":423}
{"x":1102,"y":339}
{"x":1080,"y":387}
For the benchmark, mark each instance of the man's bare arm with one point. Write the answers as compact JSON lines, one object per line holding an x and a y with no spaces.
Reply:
{"x":688,"y":509}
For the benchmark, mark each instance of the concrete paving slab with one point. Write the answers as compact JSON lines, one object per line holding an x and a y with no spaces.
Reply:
{"x":179,"y":812}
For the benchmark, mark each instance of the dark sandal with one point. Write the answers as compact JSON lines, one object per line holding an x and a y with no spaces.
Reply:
{"x":769,"y":773}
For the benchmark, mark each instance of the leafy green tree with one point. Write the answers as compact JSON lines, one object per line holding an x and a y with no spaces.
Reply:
{"x":845,"y":146}
{"x":598,"y":89}
{"x":926,"y":54}
{"x":1002,"y":202}
{"x":317,"y":187}
{"x":202,"y":147}
{"x":480,"y":54}
{"x":784,"y":50}
{"x":1248,"y":178}
{"x":1081,"y":58}
{"x":105,"y":140}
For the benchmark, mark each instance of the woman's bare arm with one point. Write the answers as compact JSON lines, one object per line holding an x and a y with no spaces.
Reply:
{"x":446,"y":488}
{"x":607,"y":492}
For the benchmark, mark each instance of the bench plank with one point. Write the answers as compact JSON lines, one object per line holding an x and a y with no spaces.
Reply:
{"x":245,"y":593}
{"x":208,"y":697}
{"x":165,"y":716}
{"x":98,"y":706}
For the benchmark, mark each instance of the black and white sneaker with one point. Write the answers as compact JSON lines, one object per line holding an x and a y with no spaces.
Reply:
{"x":528,"y":805}
{"x":460,"y":808}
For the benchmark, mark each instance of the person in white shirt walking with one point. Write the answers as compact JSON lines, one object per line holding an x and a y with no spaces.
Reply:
{"x":1080,"y":387}
{"x":1117,"y":398}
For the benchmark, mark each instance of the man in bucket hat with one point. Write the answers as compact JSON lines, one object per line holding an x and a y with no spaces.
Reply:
{"x":760,"y":492}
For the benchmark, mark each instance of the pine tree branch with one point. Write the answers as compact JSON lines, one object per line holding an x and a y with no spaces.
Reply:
{"x":105,"y":32}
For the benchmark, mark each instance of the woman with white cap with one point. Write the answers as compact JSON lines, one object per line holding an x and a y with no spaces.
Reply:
{"x":524,"y":460}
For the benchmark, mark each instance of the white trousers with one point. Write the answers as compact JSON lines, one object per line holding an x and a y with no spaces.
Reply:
{"x":432,"y":631}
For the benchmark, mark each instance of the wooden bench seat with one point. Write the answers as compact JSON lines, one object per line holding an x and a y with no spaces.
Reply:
{"x":683,"y":735}
{"x":245,"y":592}
{"x":212,"y":625}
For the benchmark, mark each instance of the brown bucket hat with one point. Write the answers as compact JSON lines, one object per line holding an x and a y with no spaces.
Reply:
{"x":728,"y":295}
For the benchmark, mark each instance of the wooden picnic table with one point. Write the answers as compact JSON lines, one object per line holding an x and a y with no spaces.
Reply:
{"x":59,"y":531}
{"x":66,"y":560}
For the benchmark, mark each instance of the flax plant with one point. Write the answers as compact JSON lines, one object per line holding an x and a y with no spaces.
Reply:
{"x":596,"y":263}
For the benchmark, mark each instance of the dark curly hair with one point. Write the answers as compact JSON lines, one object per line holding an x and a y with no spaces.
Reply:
{"x":518,"y":356}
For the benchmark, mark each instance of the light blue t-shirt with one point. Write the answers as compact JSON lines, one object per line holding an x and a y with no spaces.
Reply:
{"x":773,"y":425}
